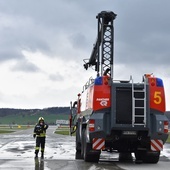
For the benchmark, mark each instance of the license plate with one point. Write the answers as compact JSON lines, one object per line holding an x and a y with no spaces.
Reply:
{"x":129,"y":133}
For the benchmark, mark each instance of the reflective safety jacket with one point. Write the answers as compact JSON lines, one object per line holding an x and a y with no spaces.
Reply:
{"x":40,"y":130}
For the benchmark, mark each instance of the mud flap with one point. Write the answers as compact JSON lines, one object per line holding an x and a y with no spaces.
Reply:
{"x":89,"y":154}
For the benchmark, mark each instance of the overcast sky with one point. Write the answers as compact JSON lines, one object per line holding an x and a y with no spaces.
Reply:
{"x":43,"y":44}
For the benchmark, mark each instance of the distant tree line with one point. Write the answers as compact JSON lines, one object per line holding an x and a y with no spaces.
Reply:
{"x":23,"y":112}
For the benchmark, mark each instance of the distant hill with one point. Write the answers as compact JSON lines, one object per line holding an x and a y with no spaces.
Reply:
{"x":30,"y":116}
{"x":51,"y":110}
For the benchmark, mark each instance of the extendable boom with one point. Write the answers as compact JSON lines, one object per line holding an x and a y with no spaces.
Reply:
{"x":103,"y":44}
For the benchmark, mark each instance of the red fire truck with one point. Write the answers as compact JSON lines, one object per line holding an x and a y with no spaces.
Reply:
{"x":117,"y":115}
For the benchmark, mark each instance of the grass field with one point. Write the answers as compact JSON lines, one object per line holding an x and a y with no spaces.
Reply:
{"x":6,"y":131}
{"x":63,"y":130}
{"x":10,"y":129}
{"x":168,"y":140}
{"x":31,"y":119}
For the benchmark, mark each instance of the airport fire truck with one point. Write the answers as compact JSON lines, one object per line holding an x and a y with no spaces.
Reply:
{"x":117,"y":115}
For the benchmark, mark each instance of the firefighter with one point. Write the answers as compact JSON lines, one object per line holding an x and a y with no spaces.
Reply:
{"x":40,"y":135}
{"x":106,"y":72}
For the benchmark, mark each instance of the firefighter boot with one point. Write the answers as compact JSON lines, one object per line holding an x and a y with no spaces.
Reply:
{"x":36,"y":154}
{"x":42,"y":155}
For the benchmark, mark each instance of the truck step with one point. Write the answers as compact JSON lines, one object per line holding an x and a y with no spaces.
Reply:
{"x":139,"y":107}
{"x":139,"y":115}
{"x":140,"y":91}
{"x":139,"y":124}
{"x":142,"y":99}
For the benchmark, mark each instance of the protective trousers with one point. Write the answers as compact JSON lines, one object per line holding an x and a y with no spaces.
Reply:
{"x":40,"y":142}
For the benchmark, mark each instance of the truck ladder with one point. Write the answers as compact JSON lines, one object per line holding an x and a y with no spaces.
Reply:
{"x":138,"y":105}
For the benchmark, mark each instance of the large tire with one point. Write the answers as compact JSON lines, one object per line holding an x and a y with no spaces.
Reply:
{"x":78,"y":143}
{"x":78,"y":148}
{"x":82,"y":143}
{"x":78,"y":155}
{"x":151,"y":157}
{"x":147,"y":156}
{"x":125,"y":156}
{"x":139,"y":155}
{"x":87,"y":154}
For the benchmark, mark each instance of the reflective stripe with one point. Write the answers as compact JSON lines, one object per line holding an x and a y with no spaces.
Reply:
{"x":156,"y":145}
{"x":98,"y":144}
{"x":41,"y":135}
{"x":37,"y":148}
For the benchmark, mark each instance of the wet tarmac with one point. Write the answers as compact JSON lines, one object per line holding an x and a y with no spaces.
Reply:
{"x":17,"y":153}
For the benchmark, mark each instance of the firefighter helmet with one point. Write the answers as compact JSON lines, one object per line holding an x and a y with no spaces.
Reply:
{"x":40,"y":119}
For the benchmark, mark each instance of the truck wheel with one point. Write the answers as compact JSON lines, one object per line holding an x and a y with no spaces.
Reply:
{"x":125,"y":156}
{"x":88,"y":156}
{"x":78,"y":155}
{"x":151,"y":157}
{"x":139,"y":156}
{"x":82,"y":143}
{"x":78,"y":149}
{"x":78,"y":142}
{"x":147,"y":156}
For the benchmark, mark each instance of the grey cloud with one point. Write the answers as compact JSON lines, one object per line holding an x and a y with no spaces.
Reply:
{"x":142,"y":33}
{"x":38,"y":28}
{"x":7,"y":55}
{"x":25,"y":66}
{"x":56,"y":77}
{"x":68,"y":28}
{"x":79,"y":40}
{"x":22,"y":35}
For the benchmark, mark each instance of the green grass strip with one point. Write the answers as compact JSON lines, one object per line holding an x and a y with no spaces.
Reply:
{"x":6,"y":131}
{"x":168,"y":140}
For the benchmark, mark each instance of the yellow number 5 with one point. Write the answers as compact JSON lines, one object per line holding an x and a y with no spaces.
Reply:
{"x":157,"y":97}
